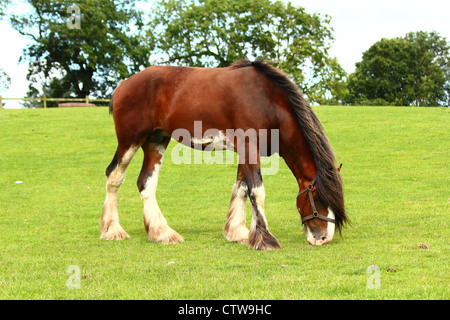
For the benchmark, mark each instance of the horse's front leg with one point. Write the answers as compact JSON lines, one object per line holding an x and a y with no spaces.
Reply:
{"x":235,"y":229}
{"x":259,"y":237}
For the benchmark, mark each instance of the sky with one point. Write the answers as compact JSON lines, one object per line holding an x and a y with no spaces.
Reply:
{"x":357,"y":24}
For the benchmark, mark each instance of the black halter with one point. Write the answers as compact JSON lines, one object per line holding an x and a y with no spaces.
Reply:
{"x":315,"y":214}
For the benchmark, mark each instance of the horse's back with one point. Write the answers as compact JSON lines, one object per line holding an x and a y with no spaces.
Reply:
{"x":169,"y":97}
{"x":222,"y":98}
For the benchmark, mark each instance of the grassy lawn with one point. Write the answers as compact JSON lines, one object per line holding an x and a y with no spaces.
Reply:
{"x":396,"y":181}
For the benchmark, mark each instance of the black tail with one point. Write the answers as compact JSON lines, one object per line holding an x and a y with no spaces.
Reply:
{"x":111,"y":104}
{"x":111,"y":101}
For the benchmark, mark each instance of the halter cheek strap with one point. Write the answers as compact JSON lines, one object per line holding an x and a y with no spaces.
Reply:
{"x":315,"y":214}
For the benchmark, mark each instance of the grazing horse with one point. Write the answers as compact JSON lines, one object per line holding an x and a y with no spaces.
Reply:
{"x":151,"y":105}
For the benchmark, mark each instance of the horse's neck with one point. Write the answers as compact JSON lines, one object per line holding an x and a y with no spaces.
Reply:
{"x":298,"y":157}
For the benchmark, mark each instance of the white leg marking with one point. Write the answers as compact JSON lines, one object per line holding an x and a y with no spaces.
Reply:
{"x":260,"y":196}
{"x":235,"y":229}
{"x":153,"y":218}
{"x":110,"y":227}
{"x":161,"y":151}
{"x":155,"y":223}
{"x":260,"y":237}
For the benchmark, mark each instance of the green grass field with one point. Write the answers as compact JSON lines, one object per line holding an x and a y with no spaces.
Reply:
{"x":396,"y":182}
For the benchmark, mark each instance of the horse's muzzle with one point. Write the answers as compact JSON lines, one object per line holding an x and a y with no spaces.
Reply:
{"x":318,"y":237}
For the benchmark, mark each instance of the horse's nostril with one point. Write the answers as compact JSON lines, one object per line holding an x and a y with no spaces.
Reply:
{"x":322,"y":237}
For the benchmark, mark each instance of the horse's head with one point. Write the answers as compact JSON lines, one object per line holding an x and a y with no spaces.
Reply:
{"x":318,"y":218}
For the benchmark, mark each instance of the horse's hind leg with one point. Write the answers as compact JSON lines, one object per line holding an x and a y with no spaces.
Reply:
{"x":235,"y":229}
{"x":155,"y":223}
{"x":115,"y":173}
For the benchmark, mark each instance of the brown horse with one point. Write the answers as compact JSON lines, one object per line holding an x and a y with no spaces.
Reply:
{"x":152,"y":104}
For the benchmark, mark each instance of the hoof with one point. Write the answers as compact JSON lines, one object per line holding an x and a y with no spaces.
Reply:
{"x":263,"y":240}
{"x":166,"y":236}
{"x":239,"y":235}
{"x":114,"y":233}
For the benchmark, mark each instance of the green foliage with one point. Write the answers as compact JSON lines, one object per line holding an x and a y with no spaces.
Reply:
{"x":214,"y":33}
{"x":3,"y":5}
{"x":403,"y":71}
{"x":395,"y":173}
{"x":114,"y":42}
{"x":5,"y":81}
{"x":432,"y":68}
{"x":88,"y":60}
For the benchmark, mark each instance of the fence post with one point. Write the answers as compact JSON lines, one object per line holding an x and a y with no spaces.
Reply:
{"x":87,"y":98}
{"x":1,"y":104}
{"x":45,"y":101}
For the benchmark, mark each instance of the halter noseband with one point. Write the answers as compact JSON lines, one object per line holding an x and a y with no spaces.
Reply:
{"x":315,"y":214}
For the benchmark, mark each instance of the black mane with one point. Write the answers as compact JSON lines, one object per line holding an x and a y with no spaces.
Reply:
{"x":328,"y":180}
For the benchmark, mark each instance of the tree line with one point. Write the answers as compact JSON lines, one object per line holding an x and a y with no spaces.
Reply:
{"x":118,"y":38}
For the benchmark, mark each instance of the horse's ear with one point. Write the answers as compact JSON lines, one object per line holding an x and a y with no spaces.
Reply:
{"x":339,"y":168}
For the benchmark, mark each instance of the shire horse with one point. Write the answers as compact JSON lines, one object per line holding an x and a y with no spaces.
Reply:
{"x":150,"y":105}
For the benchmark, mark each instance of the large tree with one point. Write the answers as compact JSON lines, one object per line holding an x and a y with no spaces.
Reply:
{"x":411,"y":70}
{"x":432,"y":68}
{"x":216,"y":33}
{"x":88,"y":58}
